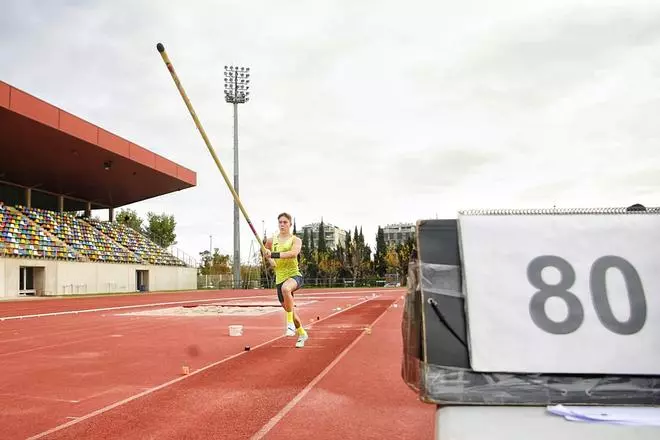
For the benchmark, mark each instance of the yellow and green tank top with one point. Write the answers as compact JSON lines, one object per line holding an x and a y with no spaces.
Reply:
{"x":284,"y":267}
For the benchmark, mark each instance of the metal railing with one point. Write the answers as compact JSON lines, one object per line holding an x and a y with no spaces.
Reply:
{"x":74,"y":288}
{"x":181,"y":255}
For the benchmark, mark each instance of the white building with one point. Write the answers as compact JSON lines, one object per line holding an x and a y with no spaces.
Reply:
{"x":333,"y":234}
{"x":398,"y":233}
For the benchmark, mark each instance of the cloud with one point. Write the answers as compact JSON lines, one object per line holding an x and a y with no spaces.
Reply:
{"x":363,"y":113}
{"x":439,"y":168}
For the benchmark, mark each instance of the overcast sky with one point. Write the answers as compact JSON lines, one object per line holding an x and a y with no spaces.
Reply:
{"x":362,"y":112}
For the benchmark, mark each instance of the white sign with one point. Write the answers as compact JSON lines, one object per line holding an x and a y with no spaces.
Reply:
{"x":563,"y":293}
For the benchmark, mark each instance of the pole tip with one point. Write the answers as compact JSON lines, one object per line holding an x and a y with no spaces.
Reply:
{"x":160,"y":47}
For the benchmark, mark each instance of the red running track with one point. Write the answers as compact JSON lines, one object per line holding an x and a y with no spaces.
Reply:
{"x":363,"y":396}
{"x":235,"y":399}
{"x":220,"y":401}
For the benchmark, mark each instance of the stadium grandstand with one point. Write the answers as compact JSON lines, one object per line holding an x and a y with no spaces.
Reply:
{"x":55,"y":169}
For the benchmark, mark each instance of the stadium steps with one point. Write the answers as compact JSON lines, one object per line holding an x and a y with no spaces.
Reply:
{"x":92,"y":224}
{"x":159,"y":252}
{"x":137,"y":243}
{"x":126,"y":244}
{"x":106,"y":228}
{"x":76,"y":233}
{"x":15,"y":212}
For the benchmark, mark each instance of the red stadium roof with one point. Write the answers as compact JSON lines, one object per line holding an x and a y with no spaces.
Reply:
{"x":46,"y":148}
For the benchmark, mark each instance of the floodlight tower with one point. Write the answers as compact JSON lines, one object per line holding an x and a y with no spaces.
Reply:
{"x":237,"y":80}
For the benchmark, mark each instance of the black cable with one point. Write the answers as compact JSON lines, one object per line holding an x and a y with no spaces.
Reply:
{"x":434,"y":304}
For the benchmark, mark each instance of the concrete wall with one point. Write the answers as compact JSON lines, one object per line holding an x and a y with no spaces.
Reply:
{"x":172,"y":278}
{"x":95,"y":277}
{"x":11,"y":268}
{"x":65,"y":277}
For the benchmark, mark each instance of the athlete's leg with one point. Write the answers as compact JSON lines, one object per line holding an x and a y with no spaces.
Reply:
{"x":288,"y":287}
{"x":287,"y":305}
{"x":299,"y":284}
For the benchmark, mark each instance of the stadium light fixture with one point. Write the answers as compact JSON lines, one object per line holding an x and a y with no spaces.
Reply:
{"x":237,"y":84}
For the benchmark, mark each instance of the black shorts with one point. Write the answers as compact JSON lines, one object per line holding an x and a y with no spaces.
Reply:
{"x":299,"y":280}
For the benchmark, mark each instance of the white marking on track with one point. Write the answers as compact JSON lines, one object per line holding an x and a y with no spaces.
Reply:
{"x":49,"y":399}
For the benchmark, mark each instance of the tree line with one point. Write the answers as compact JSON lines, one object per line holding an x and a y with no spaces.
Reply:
{"x":350,"y":260}
{"x":159,"y":228}
{"x":322,"y":265}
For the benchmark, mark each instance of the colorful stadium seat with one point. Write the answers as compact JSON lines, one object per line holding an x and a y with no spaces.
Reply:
{"x":80,"y":236}
{"x":22,"y":238}
{"x":38,"y":233}
{"x":141,"y":246}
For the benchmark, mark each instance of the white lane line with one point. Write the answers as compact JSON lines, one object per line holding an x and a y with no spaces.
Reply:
{"x":49,"y":399}
{"x":173,"y":381}
{"x":149,"y":327}
{"x":284,"y":411}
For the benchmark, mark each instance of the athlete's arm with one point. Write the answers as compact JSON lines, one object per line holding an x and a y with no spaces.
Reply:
{"x":295,"y":250}
{"x":268,"y":246}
